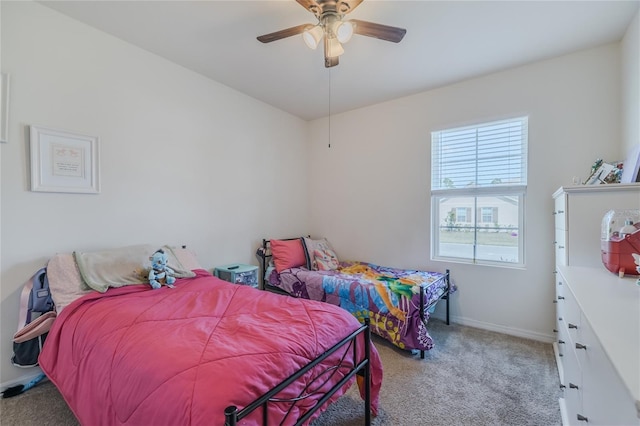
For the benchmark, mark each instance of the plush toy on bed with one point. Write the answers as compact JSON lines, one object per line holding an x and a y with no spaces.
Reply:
{"x":160,"y":272}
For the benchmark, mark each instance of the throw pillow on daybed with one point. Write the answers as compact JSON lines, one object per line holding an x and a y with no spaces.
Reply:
{"x":287,"y":254}
{"x":320,"y":255}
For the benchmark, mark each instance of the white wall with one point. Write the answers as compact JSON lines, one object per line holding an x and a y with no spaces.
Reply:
{"x":183,"y":159}
{"x":631,"y":86}
{"x":371,"y":188}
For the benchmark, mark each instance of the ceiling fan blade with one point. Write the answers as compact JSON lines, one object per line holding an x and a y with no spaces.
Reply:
{"x":383,"y":32}
{"x":268,"y":38}
{"x":346,"y":6}
{"x":312,"y":6}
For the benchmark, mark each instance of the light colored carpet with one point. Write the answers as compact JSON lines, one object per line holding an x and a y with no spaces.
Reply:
{"x":472,"y":377}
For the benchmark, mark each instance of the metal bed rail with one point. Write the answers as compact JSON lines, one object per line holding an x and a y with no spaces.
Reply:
{"x":363,"y":368}
{"x":445,"y":296}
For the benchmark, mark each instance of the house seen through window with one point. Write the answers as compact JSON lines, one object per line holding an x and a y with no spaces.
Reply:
{"x":478,"y":185}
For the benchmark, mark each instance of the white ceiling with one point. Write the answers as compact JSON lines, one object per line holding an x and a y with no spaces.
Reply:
{"x":446,"y":42}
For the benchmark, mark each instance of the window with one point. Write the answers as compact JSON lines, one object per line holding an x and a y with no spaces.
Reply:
{"x":488,"y":214}
{"x":462,"y":214}
{"x":478,"y":185}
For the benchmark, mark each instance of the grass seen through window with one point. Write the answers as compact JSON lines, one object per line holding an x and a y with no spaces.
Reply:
{"x":488,"y":238}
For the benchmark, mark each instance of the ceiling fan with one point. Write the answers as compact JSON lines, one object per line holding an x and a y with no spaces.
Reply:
{"x":334,"y":29}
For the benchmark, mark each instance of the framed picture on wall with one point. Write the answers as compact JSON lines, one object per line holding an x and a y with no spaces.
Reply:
{"x":64,"y":162}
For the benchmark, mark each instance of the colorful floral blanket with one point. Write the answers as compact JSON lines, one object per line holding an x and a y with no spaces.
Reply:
{"x":390,"y":297}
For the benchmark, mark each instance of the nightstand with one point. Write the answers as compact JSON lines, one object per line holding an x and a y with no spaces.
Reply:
{"x":238,"y":273}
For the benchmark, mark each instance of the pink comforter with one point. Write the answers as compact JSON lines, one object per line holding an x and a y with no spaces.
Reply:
{"x":138,"y":356}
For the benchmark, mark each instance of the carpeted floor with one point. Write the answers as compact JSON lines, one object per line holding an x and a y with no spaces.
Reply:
{"x":472,"y":377}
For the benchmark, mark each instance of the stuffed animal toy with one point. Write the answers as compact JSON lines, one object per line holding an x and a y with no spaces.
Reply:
{"x":160,"y":273}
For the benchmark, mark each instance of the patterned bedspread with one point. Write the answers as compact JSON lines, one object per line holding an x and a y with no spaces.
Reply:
{"x":390,"y":297}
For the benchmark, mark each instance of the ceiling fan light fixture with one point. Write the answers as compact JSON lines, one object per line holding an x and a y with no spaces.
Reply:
{"x":313,"y":36}
{"x":344,"y":31}
{"x":333,"y":30}
{"x":334,"y":48}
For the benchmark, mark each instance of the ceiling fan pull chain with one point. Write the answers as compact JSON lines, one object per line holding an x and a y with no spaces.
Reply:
{"x":329,"y":107}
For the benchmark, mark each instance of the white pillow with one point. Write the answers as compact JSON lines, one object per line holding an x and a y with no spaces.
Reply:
{"x":65,"y":282}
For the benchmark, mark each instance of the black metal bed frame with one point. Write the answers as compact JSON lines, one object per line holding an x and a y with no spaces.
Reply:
{"x":264,"y":254}
{"x":363,"y":368}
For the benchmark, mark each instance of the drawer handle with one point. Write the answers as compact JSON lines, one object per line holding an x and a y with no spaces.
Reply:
{"x":573,"y":326}
{"x":561,"y":247}
{"x":582,"y":418}
{"x":572,"y":386}
{"x":560,"y":297}
{"x":561,"y":342}
{"x":581,"y":346}
{"x":555,"y":331}
{"x":560,"y":211}
{"x":562,"y":386}
{"x":555,"y":301}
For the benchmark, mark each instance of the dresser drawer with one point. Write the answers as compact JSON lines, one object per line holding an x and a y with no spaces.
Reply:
{"x":570,"y":309}
{"x":572,"y":386}
{"x":564,"y":341}
{"x":606,"y":401}
{"x":560,"y":212}
{"x":560,"y":300}
{"x":560,"y":246}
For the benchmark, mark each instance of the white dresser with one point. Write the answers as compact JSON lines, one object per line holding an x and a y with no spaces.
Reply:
{"x":599,"y":340}
{"x":597,"y":313}
{"x":578,"y":212}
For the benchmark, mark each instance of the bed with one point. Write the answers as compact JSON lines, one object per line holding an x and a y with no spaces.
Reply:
{"x":397,"y":302}
{"x":204,"y":352}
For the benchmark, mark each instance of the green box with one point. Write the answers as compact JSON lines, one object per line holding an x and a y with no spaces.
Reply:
{"x":238,"y":273}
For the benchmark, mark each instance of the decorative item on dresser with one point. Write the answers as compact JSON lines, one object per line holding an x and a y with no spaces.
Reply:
{"x":597,"y":313}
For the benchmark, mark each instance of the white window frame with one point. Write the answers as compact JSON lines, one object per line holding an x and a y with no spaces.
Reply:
{"x":492,"y":190}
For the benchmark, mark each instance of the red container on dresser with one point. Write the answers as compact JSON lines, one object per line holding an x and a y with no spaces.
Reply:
{"x":616,"y":253}
{"x":619,"y":241}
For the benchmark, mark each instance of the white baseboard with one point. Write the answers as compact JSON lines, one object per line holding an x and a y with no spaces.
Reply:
{"x":527,"y":334}
{"x":26,"y":378}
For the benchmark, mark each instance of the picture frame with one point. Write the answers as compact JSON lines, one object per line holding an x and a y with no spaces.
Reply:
{"x":601,"y":172}
{"x":4,"y":107}
{"x":631,"y":167}
{"x":62,"y":161}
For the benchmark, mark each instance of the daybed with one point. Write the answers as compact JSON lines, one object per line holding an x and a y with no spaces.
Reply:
{"x":396,"y":301}
{"x":206,"y":352}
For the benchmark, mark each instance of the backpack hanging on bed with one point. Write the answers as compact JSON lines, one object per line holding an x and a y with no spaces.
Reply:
{"x":37,"y":312}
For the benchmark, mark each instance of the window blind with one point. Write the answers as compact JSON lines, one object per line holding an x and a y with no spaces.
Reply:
{"x":488,"y":155}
